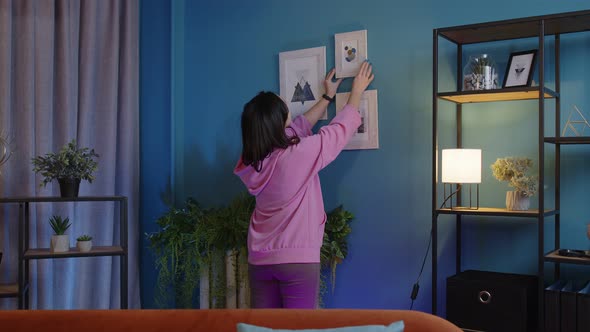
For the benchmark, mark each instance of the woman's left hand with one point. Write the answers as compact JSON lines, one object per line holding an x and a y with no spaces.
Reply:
{"x":331,"y":86}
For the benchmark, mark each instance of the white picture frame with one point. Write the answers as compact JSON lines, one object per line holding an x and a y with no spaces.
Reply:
{"x":367,"y":135}
{"x":350,"y":52}
{"x":302,"y":74}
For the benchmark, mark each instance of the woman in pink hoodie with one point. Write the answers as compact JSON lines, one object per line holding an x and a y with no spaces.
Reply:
{"x":279,"y":165}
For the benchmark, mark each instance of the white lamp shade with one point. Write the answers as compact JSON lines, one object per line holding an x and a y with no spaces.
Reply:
{"x":461,"y":166}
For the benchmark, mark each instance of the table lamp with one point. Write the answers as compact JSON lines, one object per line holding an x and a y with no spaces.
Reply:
{"x":461,"y":166}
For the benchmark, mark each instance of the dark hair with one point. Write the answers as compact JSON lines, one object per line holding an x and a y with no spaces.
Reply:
{"x":263,"y":128}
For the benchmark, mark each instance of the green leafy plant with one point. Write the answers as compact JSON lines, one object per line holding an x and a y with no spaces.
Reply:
{"x":176,"y":247}
{"x":514,"y":170}
{"x":335,"y":245}
{"x":59,"y":225}
{"x":70,"y":162}
{"x":84,"y":238}
{"x":224,"y":231}
{"x":191,"y":239}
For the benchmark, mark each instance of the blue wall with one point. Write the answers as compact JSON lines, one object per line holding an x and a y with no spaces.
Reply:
{"x":227,"y":51}
{"x":155,"y":126}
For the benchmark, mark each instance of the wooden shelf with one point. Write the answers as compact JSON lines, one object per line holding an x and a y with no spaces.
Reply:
{"x":8,"y":290}
{"x":568,"y":140}
{"x":484,"y":96}
{"x":517,"y":28}
{"x":490,"y":211}
{"x":44,"y":253}
{"x":553,"y":256}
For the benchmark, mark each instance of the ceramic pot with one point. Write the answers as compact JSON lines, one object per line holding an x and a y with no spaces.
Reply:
{"x":60,"y":243}
{"x":84,"y":246}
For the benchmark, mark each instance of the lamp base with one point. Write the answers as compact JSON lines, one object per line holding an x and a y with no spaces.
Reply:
{"x":459,"y":188}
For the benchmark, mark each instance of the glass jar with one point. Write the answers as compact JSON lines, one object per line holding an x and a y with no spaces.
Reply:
{"x":480,"y":73}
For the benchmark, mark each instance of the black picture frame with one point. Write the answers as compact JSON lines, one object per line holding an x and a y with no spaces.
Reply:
{"x":520,"y":63}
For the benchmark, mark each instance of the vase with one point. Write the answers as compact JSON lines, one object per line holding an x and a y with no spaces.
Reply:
{"x":204,"y":287}
{"x":231,"y":292}
{"x":480,"y":73}
{"x":517,"y":201}
{"x":243,"y":279}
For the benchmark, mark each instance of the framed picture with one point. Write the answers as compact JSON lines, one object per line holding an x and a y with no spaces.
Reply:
{"x":351,"y":51}
{"x":367,"y":134}
{"x":302,"y":75}
{"x":519,"y":71}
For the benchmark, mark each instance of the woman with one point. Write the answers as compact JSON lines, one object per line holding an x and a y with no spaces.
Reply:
{"x":279,"y":165}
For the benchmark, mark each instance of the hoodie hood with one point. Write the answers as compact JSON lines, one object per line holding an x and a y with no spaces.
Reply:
{"x":257,"y":181}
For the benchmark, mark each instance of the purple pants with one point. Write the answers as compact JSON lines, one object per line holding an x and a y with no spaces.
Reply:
{"x":285,"y":285}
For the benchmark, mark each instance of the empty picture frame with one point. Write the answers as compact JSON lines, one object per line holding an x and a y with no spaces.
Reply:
{"x":302,"y":74}
{"x":367,"y":134}
{"x":351,"y":51}
{"x":519,"y":71}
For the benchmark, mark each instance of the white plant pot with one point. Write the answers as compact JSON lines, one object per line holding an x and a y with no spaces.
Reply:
{"x":60,"y":243}
{"x":84,"y":246}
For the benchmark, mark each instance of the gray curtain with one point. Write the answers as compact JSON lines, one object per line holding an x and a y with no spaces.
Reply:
{"x":69,"y":70}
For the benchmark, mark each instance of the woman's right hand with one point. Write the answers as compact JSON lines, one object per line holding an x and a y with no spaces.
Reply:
{"x":360,"y":83}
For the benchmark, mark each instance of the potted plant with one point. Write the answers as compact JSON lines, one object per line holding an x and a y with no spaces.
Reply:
{"x":177,"y":248}
{"x":60,"y":242}
{"x":335,"y":245}
{"x":69,"y":166}
{"x":84,"y":243}
{"x":514,"y":170}
{"x":227,"y":234}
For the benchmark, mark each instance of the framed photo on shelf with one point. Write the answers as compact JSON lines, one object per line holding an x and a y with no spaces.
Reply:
{"x":351,"y":51}
{"x":519,"y":71}
{"x":367,"y":134}
{"x":302,"y":74}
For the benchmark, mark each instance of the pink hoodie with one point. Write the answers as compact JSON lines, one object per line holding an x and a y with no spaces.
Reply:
{"x":287,"y":225}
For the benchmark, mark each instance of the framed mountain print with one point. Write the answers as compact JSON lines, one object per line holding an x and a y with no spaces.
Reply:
{"x":302,"y":74}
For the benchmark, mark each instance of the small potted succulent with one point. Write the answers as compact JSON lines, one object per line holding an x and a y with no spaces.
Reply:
{"x":69,"y":166}
{"x":514,"y":170}
{"x":60,"y":241}
{"x":84,"y":243}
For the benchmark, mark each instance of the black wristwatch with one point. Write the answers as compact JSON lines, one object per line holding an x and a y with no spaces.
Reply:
{"x":326,"y":97}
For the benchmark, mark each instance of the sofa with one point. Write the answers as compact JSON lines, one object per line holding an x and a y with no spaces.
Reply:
{"x":213,"y":320}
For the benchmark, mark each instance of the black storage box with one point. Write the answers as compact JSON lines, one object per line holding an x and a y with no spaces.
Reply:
{"x":493,"y":301}
{"x":583,"y":308}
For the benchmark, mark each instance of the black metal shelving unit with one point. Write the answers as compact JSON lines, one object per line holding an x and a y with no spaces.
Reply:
{"x":20,"y":289}
{"x":530,"y":27}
